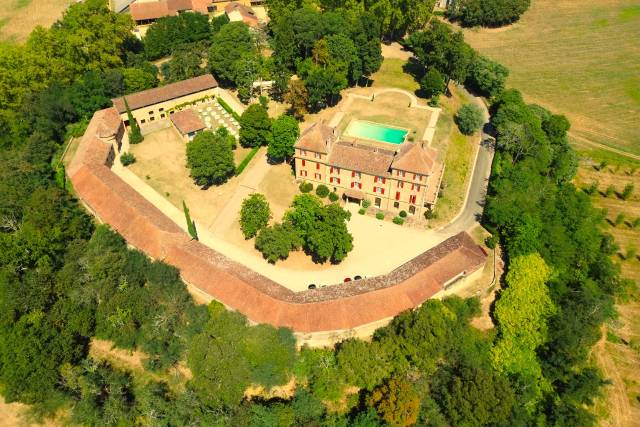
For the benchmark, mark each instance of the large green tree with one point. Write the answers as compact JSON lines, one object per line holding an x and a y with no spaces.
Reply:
{"x":255,"y":126}
{"x":234,"y":42}
{"x":285,"y":130}
{"x":254,"y":215}
{"x":210,"y":158}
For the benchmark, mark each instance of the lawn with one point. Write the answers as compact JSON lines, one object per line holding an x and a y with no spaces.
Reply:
{"x":19,"y":17}
{"x":161,"y":163}
{"x":392,"y":74}
{"x":577,"y":58}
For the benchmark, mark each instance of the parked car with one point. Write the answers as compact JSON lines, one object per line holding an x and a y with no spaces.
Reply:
{"x":357,"y":277}
{"x":311,"y":286}
{"x":347,"y":279}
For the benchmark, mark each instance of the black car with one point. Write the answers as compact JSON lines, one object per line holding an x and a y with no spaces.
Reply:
{"x":311,"y":286}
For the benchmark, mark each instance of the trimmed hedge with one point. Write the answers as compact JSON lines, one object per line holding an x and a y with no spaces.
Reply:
{"x":243,"y":164}
{"x":228,"y":109}
{"x":333,"y":197}
{"x":403,"y":214}
{"x":380,"y":215}
{"x":398,"y":220}
{"x":362,"y":211}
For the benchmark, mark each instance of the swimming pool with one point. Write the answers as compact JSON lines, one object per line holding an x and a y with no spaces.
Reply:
{"x":376,"y":132}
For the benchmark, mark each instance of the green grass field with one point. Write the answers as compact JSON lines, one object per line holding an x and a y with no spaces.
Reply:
{"x":580,"y":58}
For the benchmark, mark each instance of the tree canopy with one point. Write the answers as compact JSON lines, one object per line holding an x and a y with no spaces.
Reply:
{"x":255,"y":127}
{"x":285,"y":130}
{"x":210,"y":157}
{"x":254,"y":214}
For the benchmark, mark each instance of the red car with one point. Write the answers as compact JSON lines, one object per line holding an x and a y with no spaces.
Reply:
{"x":347,"y":279}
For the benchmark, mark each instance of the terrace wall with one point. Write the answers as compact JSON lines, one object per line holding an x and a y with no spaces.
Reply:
{"x":335,"y":308}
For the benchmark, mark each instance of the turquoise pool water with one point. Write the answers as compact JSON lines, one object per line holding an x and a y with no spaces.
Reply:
{"x":376,"y":132}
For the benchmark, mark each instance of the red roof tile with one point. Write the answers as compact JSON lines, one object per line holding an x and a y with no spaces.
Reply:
{"x":338,"y":307}
{"x":165,"y":93}
{"x":187,"y":121}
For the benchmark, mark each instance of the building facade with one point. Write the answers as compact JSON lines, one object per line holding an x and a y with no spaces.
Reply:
{"x":158,"y":103}
{"x":407,"y":178}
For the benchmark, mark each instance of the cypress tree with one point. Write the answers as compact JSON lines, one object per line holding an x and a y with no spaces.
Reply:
{"x":135,"y":136}
{"x":191,"y":225}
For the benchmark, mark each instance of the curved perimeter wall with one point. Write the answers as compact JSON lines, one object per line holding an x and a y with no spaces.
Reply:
{"x":333,"y":308}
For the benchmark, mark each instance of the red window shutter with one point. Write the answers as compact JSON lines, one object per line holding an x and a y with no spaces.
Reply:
{"x":384,"y":180}
{"x":397,"y":195}
{"x":375,"y":179}
{"x":417,"y":187}
{"x":352,"y":184}
{"x":338,"y":180}
{"x":414,"y":176}
{"x":360,"y":185}
{"x":412,"y":186}
{"x":353,"y":173}
{"x":374,"y":188}
{"x":304,"y":162}
{"x":382,"y":191}
{"x":317,"y":165}
{"x":331,"y":169}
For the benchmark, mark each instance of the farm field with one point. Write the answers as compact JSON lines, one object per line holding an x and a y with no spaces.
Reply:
{"x":577,"y":58}
{"x":19,"y":17}
{"x":618,"y":353}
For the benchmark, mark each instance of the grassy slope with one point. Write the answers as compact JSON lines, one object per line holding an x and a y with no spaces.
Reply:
{"x":19,"y":17}
{"x":578,"y":58}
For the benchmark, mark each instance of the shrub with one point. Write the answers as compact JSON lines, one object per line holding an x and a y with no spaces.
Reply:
{"x":434,"y":101}
{"x":380,"y":215}
{"x":619,"y":219}
{"x":636,"y":223}
{"x":469,"y":119}
{"x":366,"y":203}
{"x":628,"y":191}
{"x":305,"y":187}
{"x":491,"y":242}
{"x":603,"y":164}
{"x":403,"y":214}
{"x":322,"y":191}
{"x":429,"y":214}
{"x":487,"y":13}
{"x":127,"y":159}
{"x":610,"y":191}
{"x":333,"y":197}
{"x":631,"y":253}
{"x":362,"y":211}
{"x":398,"y":220}
{"x":254,"y":215}
{"x":591,"y":189}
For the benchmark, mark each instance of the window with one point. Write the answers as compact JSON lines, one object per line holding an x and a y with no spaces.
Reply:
{"x":412,"y":210}
{"x":412,"y":199}
{"x":414,"y":176}
{"x":397,"y":195}
{"x":356,"y":185}
{"x":162,"y":116}
{"x":377,"y":202}
{"x":304,"y":162}
{"x":303,"y":173}
{"x":400,"y":184}
{"x":143,"y":121}
{"x":400,"y":173}
{"x":420,"y":177}
{"x":396,"y":205}
{"x":378,"y":190}
{"x":151,"y":113}
{"x":417,"y":187}
{"x":161,"y":109}
{"x":318,"y":155}
{"x":318,"y":176}
{"x":334,"y":179}
{"x":152,"y":118}
{"x":303,"y":152}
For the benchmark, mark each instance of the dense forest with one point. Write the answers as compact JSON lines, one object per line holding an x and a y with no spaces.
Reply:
{"x":64,"y":280}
